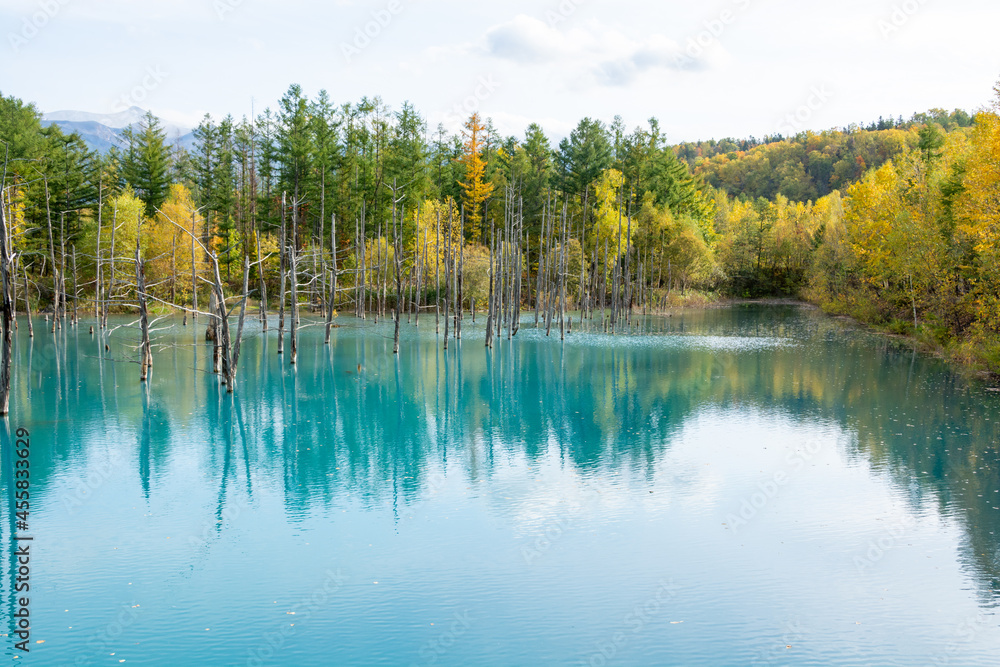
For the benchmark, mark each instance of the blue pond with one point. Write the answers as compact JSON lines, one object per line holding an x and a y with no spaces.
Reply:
{"x":750,"y":485}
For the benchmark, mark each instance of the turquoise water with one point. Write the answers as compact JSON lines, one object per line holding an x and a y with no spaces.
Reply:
{"x":757,"y":485}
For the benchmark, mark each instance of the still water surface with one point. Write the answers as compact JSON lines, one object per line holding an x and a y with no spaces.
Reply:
{"x":751,"y":485}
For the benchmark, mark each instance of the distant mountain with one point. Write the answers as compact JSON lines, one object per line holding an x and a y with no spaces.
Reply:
{"x":120,"y":120}
{"x":102,"y":131}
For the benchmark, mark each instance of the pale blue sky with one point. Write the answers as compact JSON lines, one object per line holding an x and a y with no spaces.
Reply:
{"x":550,"y":62}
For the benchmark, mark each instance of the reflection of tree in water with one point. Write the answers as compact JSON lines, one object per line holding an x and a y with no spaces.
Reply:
{"x":354,"y":423}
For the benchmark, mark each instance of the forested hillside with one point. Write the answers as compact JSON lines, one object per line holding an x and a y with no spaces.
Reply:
{"x":896,"y":223}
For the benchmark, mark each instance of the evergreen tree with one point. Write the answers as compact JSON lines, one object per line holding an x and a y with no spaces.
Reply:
{"x":145,"y":162}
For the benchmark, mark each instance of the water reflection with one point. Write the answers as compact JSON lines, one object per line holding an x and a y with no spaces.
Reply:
{"x":352,"y":420}
{"x":353,"y":426}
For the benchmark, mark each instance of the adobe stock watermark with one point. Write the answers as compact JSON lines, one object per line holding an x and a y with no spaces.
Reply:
{"x":795,"y":122}
{"x":714,"y":28}
{"x":900,"y":15}
{"x":85,"y":488}
{"x":140,"y":92}
{"x":792,"y":635}
{"x":634,"y":622}
{"x":273,"y":642}
{"x":770,"y":489}
{"x":553,"y":532}
{"x":562,"y":12}
{"x":223,"y":7}
{"x":34,"y":23}
{"x":965,"y":633}
{"x":102,"y":641}
{"x":365,"y":34}
{"x":433,"y":649}
{"x":487,"y":85}
{"x":877,"y":549}
{"x":230,"y":513}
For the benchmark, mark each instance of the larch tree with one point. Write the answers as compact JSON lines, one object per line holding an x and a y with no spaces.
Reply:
{"x":475,"y":188}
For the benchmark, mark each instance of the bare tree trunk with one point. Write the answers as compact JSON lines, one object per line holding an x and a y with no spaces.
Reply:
{"x":460,"y":280}
{"x":27,"y":301}
{"x":62,"y":265}
{"x":363,"y":253}
{"x":322,"y":237}
{"x":212,"y":330}
{"x":221,"y":314}
{"x":173,"y":270}
{"x":376,"y":269}
{"x":144,"y":348}
{"x":109,"y":292}
{"x":76,"y":293}
{"x":263,"y":285}
{"x":397,"y":251}
{"x":231,"y":384}
{"x":331,"y":309}
{"x":447,"y":279}
{"x":281,"y":271}
{"x":604,"y":289}
{"x":437,"y":274}
{"x":628,"y":272}
{"x":492,"y":294}
{"x":293,"y":260}
{"x":98,"y":285}
{"x":538,"y":270}
{"x":194,"y":272}
{"x":52,"y":258}
{"x":8,"y":307}
{"x":420,"y":277}
{"x":518,"y":267}
{"x":562,"y":277}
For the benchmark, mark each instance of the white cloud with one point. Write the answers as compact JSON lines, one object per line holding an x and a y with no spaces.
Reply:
{"x":608,"y":56}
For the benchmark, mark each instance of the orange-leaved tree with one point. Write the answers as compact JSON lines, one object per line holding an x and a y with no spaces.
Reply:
{"x":475,"y":188}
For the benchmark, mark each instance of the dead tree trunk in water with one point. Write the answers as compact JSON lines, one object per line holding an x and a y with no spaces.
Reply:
{"x":62,"y":267}
{"x":98,"y":285}
{"x":263,"y":286}
{"x":212,"y":331}
{"x":281,"y":272}
{"x":447,"y":279}
{"x":76,"y":294}
{"x":222,"y":333}
{"x":460,"y":281}
{"x":231,"y":384}
{"x":293,"y":260}
{"x":27,"y":302}
{"x":194,"y":273}
{"x":52,"y":258}
{"x":562,"y":277}
{"x":7,"y":309}
{"x":493,"y":288}
{"x":111,"y":279}
{"x":397,"y":251}
{"x":437,"y":275}
{"x":145,"y":354}
{"x":333,"y":291}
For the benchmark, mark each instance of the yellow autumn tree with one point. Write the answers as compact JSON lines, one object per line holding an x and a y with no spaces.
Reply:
{"x":427,"y":232}
{"x":122,"y":217}
{"x":475,"y":188}
{"x":609,"y":219}
{"x":169,"y":249}
{"x":677,"y":251}
{"x":892,"y":233}
{"x":978,"y":210}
